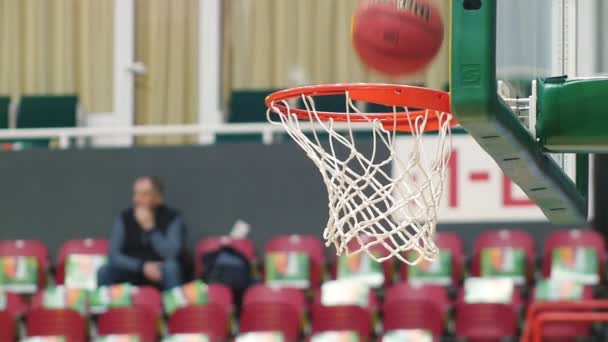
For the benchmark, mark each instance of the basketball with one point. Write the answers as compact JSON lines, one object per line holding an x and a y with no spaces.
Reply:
{"x":398,"y":37}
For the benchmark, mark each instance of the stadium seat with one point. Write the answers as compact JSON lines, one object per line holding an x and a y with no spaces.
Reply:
{"x":5,"y":102}
{"x":129,"y":321}
{"x":281,"y":317}
{"x":38,"y":300}
{"x":222,"y":296}
{"x":208,"y":319}
{"x":422,"y":313}
{"x":261,"y":293}
{"x":380,"y":250}
{"x":64,"y":322}
{"x":565,"y":332}
{"x":8,"y":327}
{"x":148,"y":297}
{"x":47,"y":111}
{"x":573,"y":238}
{"x":50,"y":111}
{"x":342,"y":318}
{"x":517,"y":239}
{"x":29,"y":248}
{"x":15,"y":306}
{"x":485,"y":322}
{"x":517,"y":300}
{"x":78,"y":246}
{"x":406,"y":292}
{"x":307,"y":244}
{"x":211,"y":244}
{"x":372,"y":307}
{"x":451,"y":242}
{"x":245,"y":102}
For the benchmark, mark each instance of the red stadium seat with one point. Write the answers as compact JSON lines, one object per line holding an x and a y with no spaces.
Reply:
{"x":64,"y":322}
{"x":212,"y":244}
{"x":342,"y":318}
{"x":517,"y":301}
{"x":8,"y":327}
{"x":282,"y":317}
{"x":80,"y":246}
{"x":266,"y":294}
{"x":37,"y":301}
{"x":29,"y":248}
{"x":519,"y":239}
{"x":422,"y":313}
{"x":485,"y":322}
{"x":568,"y":332}
{"x":129,"y":321}
{"x":15,"y":306}
{"x":208,"y":319}
{"x":406,"y":292}
{"x":372,"y":307}
{"x":150,"y":298}
{"x":573,"y":238}
{"x":222,"y":296}
{"x":453,"y":243}
{"x":308,"y":244}
{"x":387,"y":266}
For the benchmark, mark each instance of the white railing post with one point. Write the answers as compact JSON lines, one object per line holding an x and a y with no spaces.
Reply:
{"x":64,"y":141}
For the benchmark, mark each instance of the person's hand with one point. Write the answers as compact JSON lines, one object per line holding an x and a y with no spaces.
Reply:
{"x":152,"y":271}
{"x":145,"y":217}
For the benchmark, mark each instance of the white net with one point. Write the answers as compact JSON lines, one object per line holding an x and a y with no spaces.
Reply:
{"x":377,"y":199}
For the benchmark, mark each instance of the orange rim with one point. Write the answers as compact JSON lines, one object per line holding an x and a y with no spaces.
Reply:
{"x":429,"y":100}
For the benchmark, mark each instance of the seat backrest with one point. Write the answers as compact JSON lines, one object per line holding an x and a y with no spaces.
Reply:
{"x":212,"y":244}
{"x":15,"y":305}
{"x":268,"y":316}
{"x":517,"y":300}
{"x":452,"y":242}
{"x":222,"y":296}
{"x":373,"y":306}
{"x":504,"y":238}
{"x":64,"y":322}
{"x":431,"y":292}
{"x":261,"y":293}
{"x":47,"y":111}
{"x":586,"y":295}
{"x":29,"y":248}
{"x":574,"y":238}
{"x":485,"y":321}
{"x":341,"y":318}
{"x":133,"y":320}
{"x":148,"y":297}
{"x":8,"y":326}
{"x":308,"y":244}
{"x":78,"y":246}
{"x":244,"y":102}
{"x":208,"y":319}
{"x":5,"y":102}
{"x":379,"y":249}
{"x":421,"y":314}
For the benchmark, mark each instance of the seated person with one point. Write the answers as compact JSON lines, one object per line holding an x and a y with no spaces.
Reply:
{"x":148,"y":242}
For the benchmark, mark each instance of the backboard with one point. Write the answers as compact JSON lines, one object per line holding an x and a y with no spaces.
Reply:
{"x":502,"y":47}
{"x":536,"y":39}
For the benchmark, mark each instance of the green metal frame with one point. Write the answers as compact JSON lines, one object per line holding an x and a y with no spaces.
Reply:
{"x":483,"y":114}
{"x":572,"y":115}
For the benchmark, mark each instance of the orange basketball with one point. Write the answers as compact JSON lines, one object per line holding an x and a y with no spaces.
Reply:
{"x":397,"y":37}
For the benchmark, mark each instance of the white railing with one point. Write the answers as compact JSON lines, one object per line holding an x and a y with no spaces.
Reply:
{"x":65,"y":135}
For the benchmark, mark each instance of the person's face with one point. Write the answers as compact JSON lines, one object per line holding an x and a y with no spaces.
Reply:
{"x":145,"y":195}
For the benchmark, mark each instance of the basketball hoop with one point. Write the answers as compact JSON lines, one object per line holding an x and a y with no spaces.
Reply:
{"x":397,"y":210}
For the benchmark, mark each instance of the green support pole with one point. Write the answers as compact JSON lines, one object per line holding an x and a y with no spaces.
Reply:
{"x":478,"y":108}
